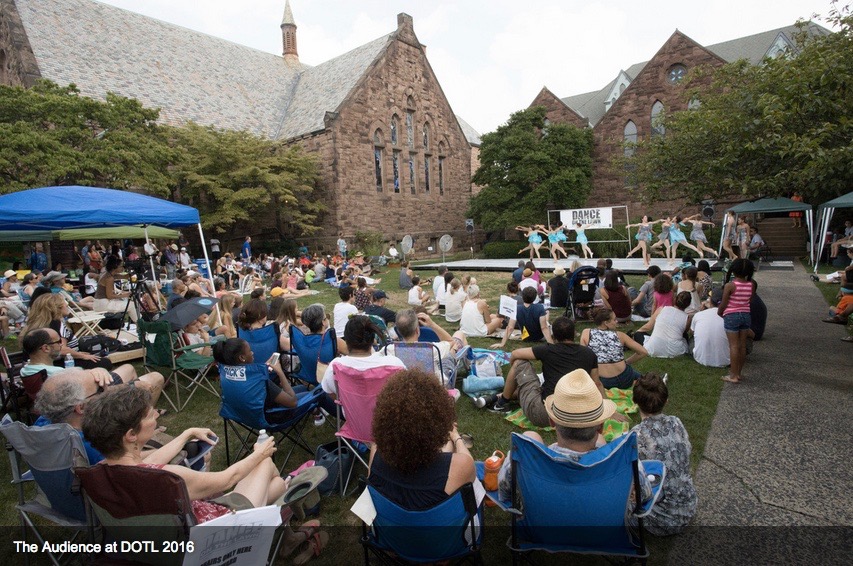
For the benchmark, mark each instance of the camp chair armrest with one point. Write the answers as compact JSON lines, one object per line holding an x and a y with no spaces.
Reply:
{"x":657,"y":469}
{"x":193,"y":347}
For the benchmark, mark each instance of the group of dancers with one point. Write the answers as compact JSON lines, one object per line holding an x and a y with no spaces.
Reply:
{"x":670,"y":238}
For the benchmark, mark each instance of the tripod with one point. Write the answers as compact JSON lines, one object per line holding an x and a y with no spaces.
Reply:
{"x":138,"y":272}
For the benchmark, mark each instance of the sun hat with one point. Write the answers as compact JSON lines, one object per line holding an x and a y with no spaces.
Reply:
{"x":174,"y":247}
{"x":359,"y":254}
{"x":302,"y":495}
{"x":559,"y":271}
{"x":53,"y":276}
{"x":10,"y":273}
{"x":577,"y":402}
{"x":527,"y":273}
{"x":276,"y":292}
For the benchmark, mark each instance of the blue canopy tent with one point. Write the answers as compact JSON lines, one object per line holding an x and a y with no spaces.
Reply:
{"x":50,"y":209}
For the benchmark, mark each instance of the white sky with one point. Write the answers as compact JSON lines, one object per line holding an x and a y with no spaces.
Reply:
{"x":491,"y":57}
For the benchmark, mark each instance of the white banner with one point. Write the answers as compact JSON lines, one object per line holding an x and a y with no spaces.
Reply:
{"x":593,"y":218}
{"x":235,"y":539}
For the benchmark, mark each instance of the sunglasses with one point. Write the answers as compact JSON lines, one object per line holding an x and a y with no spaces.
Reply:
{"x":55,"y":342}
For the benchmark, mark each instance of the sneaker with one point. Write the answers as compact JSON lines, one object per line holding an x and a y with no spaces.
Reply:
{"x":319,"y":419}
{"x":500,"y":405}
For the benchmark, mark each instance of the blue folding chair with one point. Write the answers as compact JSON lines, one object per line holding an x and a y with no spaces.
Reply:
{"x":51,"y":452}
{"x":312,"y":348}
{"x":559,"y":505}
{"x":244,"y":393}
{"x":450,"y":531}
{"x":428,"y":335}
{"x":264,"y":341}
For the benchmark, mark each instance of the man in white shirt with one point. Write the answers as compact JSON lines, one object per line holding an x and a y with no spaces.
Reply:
{"x":184,"y":259}
{"x":711,"y":346}
{"x":408,"y":327}
{"x":438,"y":286}
{"x":344,"y":310}
{"x":527,"y":280}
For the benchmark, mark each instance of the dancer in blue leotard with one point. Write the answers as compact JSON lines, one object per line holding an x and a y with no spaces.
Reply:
{"x":582,"y":240}
{"x":676,"y":238}
{"x":698,"y":235}
{"x":644,"y":238}
{"x":663,"y":238}
{"x":534,"y":239}
{"x":555,"y":237}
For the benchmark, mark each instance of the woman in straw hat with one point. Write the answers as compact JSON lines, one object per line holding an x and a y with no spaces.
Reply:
{"x":577,"y":412}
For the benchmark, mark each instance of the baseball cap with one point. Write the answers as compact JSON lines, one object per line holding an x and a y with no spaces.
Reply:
{"x":379,"y":294}
{"x":276,"y":292}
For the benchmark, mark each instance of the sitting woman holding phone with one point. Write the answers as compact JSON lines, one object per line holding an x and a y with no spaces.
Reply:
{"x":121,"y":420}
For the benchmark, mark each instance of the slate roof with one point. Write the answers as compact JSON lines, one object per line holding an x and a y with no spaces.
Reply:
{"x":590,"y":105}
{"x":189,"y":75}
{"x":471,"y":134}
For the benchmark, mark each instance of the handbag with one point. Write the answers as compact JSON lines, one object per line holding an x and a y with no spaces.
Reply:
{"x":321,"y":366}
{"x":328,"y":456}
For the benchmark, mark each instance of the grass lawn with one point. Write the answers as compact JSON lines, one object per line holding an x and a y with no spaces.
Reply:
{"x":694,"y":393}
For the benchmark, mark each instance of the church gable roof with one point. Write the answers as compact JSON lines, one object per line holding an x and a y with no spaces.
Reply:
{"x":323,"y":88}
{"x":471,"y":134}
{"x":187,"y":74}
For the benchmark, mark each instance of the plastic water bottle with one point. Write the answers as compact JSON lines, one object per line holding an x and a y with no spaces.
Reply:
{"x":69,"y":361}
{"x":485,"y":400}
{"x":493,"y":465}
{"x":262,"y":436}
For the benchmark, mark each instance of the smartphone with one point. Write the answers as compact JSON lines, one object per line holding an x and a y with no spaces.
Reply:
{"x":196,"y":449}
{"x":273,"y":359}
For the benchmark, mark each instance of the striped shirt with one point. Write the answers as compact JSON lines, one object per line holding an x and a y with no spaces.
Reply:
{"x":739,"y":299}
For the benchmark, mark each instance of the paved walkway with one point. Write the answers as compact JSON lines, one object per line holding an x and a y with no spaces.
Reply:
{"x":780,"y":449}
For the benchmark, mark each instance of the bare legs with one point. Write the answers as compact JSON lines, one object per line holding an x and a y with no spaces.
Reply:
{"x":704,"y":248}
{"x":587,"y":253}
{"x":263,"y":485}
{"x":737,"y":353}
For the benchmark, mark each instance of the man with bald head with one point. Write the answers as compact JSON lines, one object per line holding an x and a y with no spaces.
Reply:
{"x":42,"y":347}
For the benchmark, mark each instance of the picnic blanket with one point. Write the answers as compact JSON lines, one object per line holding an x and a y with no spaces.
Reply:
{"x":624,"y":399}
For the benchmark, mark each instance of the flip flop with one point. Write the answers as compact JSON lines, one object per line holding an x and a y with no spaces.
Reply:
{"x":312,"y":547}
{"x":730,"y":379}
{"x":292,"y":541}
{"x":847,"y":339}
{"x":467,"y":440}
{"x":161,"y":412}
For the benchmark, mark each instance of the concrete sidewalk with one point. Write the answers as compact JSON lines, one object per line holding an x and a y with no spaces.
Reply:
{"x":780,"y":449}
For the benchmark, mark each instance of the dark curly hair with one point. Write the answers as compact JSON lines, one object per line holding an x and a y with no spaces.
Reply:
{"x":412,"y":421}
{"x":111,"y":414}
{"x":662,"y":283}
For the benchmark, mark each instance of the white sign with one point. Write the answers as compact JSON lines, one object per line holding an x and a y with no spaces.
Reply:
{"x":592,"y":218}
{"x":235,"y":539}
{"x":508,"y":307}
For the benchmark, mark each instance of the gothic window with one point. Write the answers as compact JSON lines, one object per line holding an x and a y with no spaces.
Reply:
{"x":395,"y":165}
{"x":427,"y":163}
{"x":630,"y":138}
{"x":441,"y":168}
{"x":658,"y":128}
{"x":426,"y":137}
{"x":412,"y":172}
{"x":378,"y":158}
{"x":545,"y":125}
{"x":394,"y":129}
{"x":410,"y":128}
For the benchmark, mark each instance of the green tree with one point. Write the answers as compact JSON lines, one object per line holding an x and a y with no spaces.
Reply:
{"x":772,"y":129}
{"x":236,"y":178}
{"x":527,"y":168}
{"x":50,"y":135}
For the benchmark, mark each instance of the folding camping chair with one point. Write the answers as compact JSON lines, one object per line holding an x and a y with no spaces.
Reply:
{"x":385,"y":335}
{"x":243,"y":411}
{"x":312,"y":348}
{"x":427,"y":334}
{"x":89,"y":322}
{"x":119,"y":497}
{"x":163,"y":350}
{"x":357,"y":393}
{"x":582,"y":286}
{"x":426,"y":357}
{"x":450,"y":531}
{"x":13,"y":396}
{"x":50,"y":452}
{"x":264,"y":341}
{"x":559,"y":505}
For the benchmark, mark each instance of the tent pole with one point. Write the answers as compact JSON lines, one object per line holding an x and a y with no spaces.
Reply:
{"x":209,"y":268}
{"x":810,"y":228}
{"x":154,"y":274}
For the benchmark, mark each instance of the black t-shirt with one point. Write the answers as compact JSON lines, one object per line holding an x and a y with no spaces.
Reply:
{"x":559,"y":286}
{"x":384,"y":313}
{"x":528,"y":317}
{"x":561,"y":358}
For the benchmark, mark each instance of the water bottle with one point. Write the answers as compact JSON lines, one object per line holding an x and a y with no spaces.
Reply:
{"x":262,"y":436}
{"x":493,"y":465}
{"x":485,"y":400}
{"x":69,"y":361}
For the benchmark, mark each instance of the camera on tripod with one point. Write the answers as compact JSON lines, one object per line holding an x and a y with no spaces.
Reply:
{"x":136,"y":266}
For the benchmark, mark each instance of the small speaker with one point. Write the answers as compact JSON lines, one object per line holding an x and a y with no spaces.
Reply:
{"x":469,"y":224}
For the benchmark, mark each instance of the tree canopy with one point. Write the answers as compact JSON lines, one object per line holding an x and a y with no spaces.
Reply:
{"x":528,"y":167}
{"x":51,"y":135}
{"x":783,"y":126}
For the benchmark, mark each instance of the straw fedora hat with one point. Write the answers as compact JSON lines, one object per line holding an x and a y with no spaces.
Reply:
{"x":559,"y":271}
{"x":577,"y":403}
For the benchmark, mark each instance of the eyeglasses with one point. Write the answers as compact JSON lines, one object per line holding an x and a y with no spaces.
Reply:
{"x":55,"y":342}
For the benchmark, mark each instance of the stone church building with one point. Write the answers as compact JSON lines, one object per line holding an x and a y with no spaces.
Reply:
{"x":625,"y":109}
{"x":393,"y":156}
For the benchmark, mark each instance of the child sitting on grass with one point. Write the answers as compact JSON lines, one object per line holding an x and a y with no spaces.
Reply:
{"x":663,"y":437}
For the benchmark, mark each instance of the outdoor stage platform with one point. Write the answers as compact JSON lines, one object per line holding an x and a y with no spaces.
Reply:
{"x":631,"y":266}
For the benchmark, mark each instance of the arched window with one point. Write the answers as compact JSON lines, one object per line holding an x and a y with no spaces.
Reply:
{"x":394,"y":129}
{"x":395,"y":166}
{"x":426,"y":137}
{"x":378,"y":158}
{"x":658,"y":128}
{"x":412,"y":173}
{"x":630,"y":138}
{"x":410,"y":129}
{"x":441,"y":156}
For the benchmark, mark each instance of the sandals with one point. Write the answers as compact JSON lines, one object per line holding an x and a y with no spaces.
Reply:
{"x":847,"y":339}
{"x":312,"y":547}
{"x":467,"y":440}
{"x":295,"y":539}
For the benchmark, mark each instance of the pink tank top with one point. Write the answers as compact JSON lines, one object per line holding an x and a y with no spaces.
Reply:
{"x":663,"y":300}
{"x":739,"y":299}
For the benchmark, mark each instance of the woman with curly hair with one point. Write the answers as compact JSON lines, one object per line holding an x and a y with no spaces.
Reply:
{"x":418,"y":459}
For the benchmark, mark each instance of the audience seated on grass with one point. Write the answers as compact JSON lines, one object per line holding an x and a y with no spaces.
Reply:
{"x":378,"y":308}
{"x":558,"y":359}
{"x":119,"y":422}
{"x":531,"y":317}
{"x":577,"y":411}
{"x":663,"y":335}
{"x":710,"y":344}
{"x":344,"y":309}
{"x":454,"y":300}
{"x":663,"y":437}
{"x":476,"y":319}
{"x":609,"y":346}
{"x":408,"y":326}
{"x":419,"y":458}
